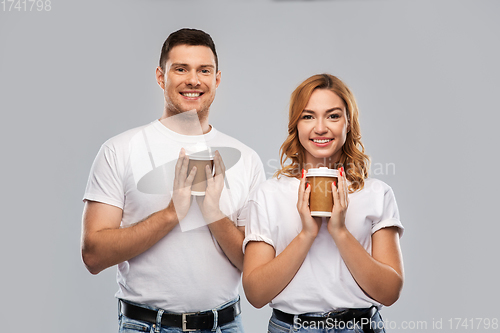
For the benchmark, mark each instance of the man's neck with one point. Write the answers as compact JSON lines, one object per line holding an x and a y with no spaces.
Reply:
{"x":186,"y":123}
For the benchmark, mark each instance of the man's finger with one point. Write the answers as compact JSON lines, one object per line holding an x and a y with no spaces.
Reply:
{"x":184,"y":169}
{"x":208,"y":173}
{"x":190,"y":177}
{"x":178,"y":165}
{"x":220,"y":167}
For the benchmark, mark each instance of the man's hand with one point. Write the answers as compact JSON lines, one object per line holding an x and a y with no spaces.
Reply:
{"x":209,"y":204}
{"x":181,"y":197}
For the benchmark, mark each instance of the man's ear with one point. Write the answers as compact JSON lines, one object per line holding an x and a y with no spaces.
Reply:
{"x":217,"y":79}
{"x":160,"y":77}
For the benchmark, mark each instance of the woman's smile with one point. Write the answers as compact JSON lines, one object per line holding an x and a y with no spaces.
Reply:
{"x":321,"y":142}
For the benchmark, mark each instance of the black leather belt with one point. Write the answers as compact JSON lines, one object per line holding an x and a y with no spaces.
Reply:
{"x":335,"y":317}
{"x":187,"y":321}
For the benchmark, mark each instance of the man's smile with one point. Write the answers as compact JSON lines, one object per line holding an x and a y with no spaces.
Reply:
{"x":191,"y":94}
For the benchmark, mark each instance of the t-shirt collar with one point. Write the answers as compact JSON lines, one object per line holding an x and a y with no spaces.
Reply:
{"x":184,"y":138}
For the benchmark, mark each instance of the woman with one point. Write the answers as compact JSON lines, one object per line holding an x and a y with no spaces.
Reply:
{"x":323,"y":274}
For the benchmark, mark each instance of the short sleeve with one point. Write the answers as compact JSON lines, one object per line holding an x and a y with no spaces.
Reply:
{"x":258,"y":228}
{"x":105,"y":183}
{"x":257,"y":177}
{"x":390,"y":214}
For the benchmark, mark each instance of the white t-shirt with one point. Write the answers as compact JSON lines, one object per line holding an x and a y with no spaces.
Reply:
{"x":323,"y":282}
{"x":185,"y":271}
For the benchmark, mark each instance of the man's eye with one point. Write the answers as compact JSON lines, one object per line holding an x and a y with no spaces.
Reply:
{"x":205,"y":71}
{"x":180,"y":69}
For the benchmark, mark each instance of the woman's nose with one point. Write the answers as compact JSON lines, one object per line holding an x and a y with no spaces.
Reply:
{"x":320,"y":127}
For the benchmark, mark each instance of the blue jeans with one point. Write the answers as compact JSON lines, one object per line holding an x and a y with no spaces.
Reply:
{"x":128,"y":325}
{"x":277,"y":326}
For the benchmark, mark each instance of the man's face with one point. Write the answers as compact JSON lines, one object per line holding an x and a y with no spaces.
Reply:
{"x":190,"y":79}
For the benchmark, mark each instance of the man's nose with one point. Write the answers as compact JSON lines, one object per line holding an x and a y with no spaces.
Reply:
{"x":192,"y":79}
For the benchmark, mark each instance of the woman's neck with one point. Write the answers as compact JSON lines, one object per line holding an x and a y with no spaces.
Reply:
{"x":325,"y":162}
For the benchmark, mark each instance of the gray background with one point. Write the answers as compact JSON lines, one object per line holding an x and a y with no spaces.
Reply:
{"x":426,"y":77}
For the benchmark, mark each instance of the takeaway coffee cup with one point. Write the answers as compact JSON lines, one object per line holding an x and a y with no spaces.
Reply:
{"x":200,"y":160}
{"x":321,"y":198}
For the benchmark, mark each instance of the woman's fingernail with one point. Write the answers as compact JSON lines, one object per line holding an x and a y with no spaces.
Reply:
{"x":335,"y":184}
{"x":303,"y":172}
{"x":340,"y":172}
{"x":307,"y":185}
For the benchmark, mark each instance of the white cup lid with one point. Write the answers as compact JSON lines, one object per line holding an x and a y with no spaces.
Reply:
{"x":202,"y":155}
{"x":322,"y":172}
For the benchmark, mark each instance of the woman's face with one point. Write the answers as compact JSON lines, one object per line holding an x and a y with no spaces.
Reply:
{"x":322,"y":128}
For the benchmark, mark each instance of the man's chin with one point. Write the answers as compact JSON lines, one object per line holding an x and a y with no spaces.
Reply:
{"x":182,"y":111}
{"x":188,"y":114}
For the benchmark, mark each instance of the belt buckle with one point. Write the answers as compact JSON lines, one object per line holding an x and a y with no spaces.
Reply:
{"x":184,"y":322}
{"x":334,"y":313}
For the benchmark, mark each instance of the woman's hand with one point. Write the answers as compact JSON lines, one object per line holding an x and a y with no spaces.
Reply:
{"x":340,"y":203}
{"x":310,"y":225}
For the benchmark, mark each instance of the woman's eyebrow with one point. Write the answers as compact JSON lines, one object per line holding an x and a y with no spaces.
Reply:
{"x":329,"y":110}
{"x":334,"y":109}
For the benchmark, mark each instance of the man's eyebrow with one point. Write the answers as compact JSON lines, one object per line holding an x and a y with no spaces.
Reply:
{"x":187,"y":65}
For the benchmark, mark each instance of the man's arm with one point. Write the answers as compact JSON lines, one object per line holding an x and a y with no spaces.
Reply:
{"x":230,"y":239}
{"x":227,"y":234}
{"x":105,"y":244}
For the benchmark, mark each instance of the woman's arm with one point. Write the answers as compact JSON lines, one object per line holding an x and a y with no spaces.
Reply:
{"x":265,"y":275}
{"x":381,"y":274}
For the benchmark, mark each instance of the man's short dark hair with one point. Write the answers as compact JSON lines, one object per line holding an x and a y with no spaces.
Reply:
{"x":186,"y":36}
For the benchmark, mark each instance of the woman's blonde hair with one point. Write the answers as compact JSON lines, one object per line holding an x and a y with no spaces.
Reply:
{"x":353,"y":158}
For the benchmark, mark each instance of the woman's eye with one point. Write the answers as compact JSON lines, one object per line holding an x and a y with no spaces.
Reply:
{"x":334,"y":116}
{"x":307,"y":116}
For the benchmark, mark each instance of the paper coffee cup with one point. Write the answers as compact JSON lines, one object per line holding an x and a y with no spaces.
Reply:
{"x":200,"y":160}
{"x":321,"y":197}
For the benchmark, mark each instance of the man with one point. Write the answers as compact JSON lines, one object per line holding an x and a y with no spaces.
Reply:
{"x":179,"y":259}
